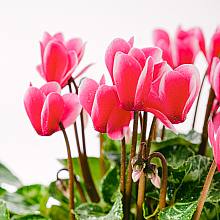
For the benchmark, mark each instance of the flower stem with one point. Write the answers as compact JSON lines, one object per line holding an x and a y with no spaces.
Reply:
{"x":162,"y":132}
{"x":145,"y":153}
{"x":203,"y":145}
{"x":197,"y":102}
{"x":163,"y":188}
{"x":129,"y":175}
{"x":101,"y":161}
{"x":71,"y":176}
{"x":205,"y":190}
{"x":123,"y":169}
{"x":87,"y":176}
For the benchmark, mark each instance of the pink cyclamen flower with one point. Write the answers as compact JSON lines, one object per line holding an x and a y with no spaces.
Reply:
{"x":133,"y":75}
{"x":173,"y":93}
{"x":185,"y":47}
{"x":214,"y":76}
{"x":59,"y":58}
{"x":46,"y":108}
{"x":102,"y":104}
{"x":214,"y":48}
{"x":214,"y":137}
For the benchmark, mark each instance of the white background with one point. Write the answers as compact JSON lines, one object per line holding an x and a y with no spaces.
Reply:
{"x":22,"y":23}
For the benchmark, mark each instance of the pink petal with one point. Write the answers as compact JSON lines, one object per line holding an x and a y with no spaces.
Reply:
{"x":51,"y":114}
{"x":138,"y":55}
{"x":211,"y":68}
{"x":46,"y":38}
{"x":131,"y":41}
{"x":154,"y":52}
{"x":55,"y":61}
{"x":105,"y":100}
{"x":33,"y":102}
{"x":87,"y":91}
{"x":217,"y":150}
{"x":126,"y":74}
{"x":115,"y":46}
{"x":136,"y":175}
{"x":156,"y":181}
{"x":214,"y":49}
{"x":216,"y":122}
{"x":191,"y":73}
{"x":59,"y":37}
{"x":41,"y":71}
{"x":144,"y":85}
{"x":161,"y":39}
{"x":211,"y":133}
{"x":118,"y":123}
{"x":50,"y":87}
{"x":72,"y":109}
{"x":75,"y":44}
{"x":216,"y":81}
{"x":73,"y":62}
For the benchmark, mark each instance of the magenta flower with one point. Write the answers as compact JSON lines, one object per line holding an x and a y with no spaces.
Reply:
{"x":214,"y":48}
{"x":133,"y":75}
{"x":214,"y":137}
{"x":185,"y":47}
{"x":173,"y":93}
{"x":59,"y":58}
{"x":46,"y":108}
{"x":102,"y":104}
{"x":214,"y":76}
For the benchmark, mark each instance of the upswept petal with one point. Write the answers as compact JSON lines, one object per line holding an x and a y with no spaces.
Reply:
{"x":72,"y":109}
{"x":59,"y":37}
{"x":126,"y":73}
{"x":154,"y":52}
{"x":51,"y":114}
{"x":138,"y":55}
{"x":191,"y":73}
{"x":105,"y":100}
{"x":55,"y":61}
{"x":75,"y":44}
{"x":33,"y":102}
{"x":46,"y":38}
{"x":216,"y":81}
{"x":118,"y":123}
{"x":50,"y":87}
{"x":159,"y":34}
{"x":144,"y":84}
{"x":87,"y":91}
{"x":117,"y":45}
{"x":174,"y":92}
{"x":211,"y":69}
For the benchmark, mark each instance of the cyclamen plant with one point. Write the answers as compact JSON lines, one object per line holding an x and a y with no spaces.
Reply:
{"x":159,"y":82}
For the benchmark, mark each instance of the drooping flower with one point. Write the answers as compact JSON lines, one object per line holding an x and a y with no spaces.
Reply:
{"x":46,"y":108}
{"x":184,"y":48}
{"x":214,"y":137}
{"x":102,"y":104}
{"x":59,"y":58}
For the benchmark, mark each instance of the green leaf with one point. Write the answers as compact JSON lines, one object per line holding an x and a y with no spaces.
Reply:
{"x":94,"y":164}
{"x":4,"y":213}
{"x":95,"y":212}
{"x":110,"y":184}
{"x":179,"y":211}
{"x":6,"y":176}
{"x":29,"y":217}
{"x":59,"y":212}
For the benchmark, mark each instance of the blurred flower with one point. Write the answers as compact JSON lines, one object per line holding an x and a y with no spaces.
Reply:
{"x":214,"y":137}
{"x":59,"y":58}
{"x":185,"y":47}
{"x":46,"y":108}
{"x":214,"y":76}
{"x":214,"y":48}
{"x":102,"y":104}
